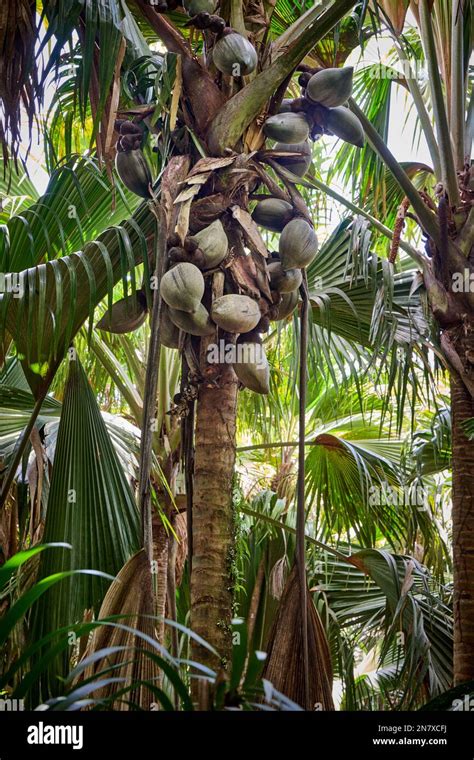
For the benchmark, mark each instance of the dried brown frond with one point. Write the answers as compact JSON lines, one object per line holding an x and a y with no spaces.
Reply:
{"x":284,"y":666}
{"x":131,"y":594}
{"x":18,"y":74}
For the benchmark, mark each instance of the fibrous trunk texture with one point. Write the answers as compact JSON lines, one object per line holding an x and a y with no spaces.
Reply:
{"x":160,"y":555}
{"x":213,"y":540}
{"x":129,"y":595}
{"x":462,"y":409}
{"x":284,"y":666}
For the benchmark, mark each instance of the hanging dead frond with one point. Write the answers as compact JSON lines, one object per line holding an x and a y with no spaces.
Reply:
{"x":277,"y":578}
{"x":130,"y":594}
{"x":284,"y":666}
{"x":395,"y":11}
{"x":104,"y":110}
{"x":283,"y":482}
{"x":180,"y":528}
{"x":18,"y":79}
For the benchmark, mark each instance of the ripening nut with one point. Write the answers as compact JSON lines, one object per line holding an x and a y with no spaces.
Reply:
{"x":133,"y":170}
{"x":182,"y":287}
{"x":330,"y":87}
{"x":234,"y":55}
{"x":287,"y":127}
{"x":298,"y":245}
{"x":346,"y":125}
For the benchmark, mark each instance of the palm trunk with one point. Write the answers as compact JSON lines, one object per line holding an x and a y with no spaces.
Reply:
{"x":160,"y":553}
{"x":462,"y":409}
{"x":211,"y":582}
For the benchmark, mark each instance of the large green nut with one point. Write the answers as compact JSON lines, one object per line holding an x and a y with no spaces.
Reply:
{"x":197,"y":323}
{"x":330,"y":87}
{"x":235,"y":313}
{"x":298,"y":245}
{"x":234,"y":55}
{"x":287,"y":127}
{"x":182,"y":287}
{"x":272,"y":214}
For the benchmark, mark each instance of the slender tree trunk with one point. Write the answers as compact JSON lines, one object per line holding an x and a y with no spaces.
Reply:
{"x":462,"y":409}
{"x":161,"y":558}
{"x":213,"y":540}
{"x":255,"y":599}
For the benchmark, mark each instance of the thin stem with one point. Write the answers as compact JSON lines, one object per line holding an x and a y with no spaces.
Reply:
{"x":275,"y":445}
{"x":448,"y":170}
{"x":457,"y":84}
{"x":187,"y":448}
{"x":151,"y":383}
{"x":300,"y":504}
{"x":289,"y":529}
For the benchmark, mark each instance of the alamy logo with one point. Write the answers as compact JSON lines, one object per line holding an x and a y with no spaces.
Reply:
{"x":463,"y":282}
{"x":11,"y":282}
{"x":11,"y":705}
{"x":236,"y":353}
{"x":44,"y":734}
{"x":466,"y":703}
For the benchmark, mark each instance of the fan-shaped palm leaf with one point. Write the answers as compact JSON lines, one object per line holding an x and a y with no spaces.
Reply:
{"x":90,"y":505}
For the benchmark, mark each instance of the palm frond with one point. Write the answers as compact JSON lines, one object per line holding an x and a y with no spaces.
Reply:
{"x":76,"y":207}
{"x":88,"y":488}
{"x":400,"y":602}
{"x":56,"y":297}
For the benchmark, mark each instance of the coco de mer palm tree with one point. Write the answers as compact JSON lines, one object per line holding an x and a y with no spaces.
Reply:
{"x":233,"y":126}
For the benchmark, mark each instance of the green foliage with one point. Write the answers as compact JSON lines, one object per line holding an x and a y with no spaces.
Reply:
{"x":56,"y":297}
{"x":90,"y":506}
{"x":392,"y":611}
{"x":242,"y":689}
{"x":371,"y":382}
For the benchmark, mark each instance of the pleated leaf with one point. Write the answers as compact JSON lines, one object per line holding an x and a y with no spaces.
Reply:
{"x":90,"y":506}
{"x":57,"y":297}
{"x":395,"y":607}
{"x":75,"y":207}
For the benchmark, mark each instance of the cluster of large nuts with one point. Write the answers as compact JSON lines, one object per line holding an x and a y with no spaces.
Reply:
{"x":320,"y":110}
{"x":187,"y":306}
